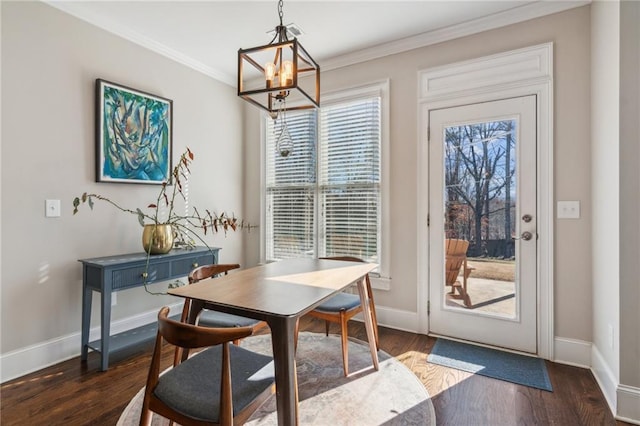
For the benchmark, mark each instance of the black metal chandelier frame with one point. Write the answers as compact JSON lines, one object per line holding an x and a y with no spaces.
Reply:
{"x":284,"y":77}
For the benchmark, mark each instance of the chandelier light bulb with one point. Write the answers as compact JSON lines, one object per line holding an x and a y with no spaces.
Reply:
{"x":286,"y":76}
{"x":269,"y":73}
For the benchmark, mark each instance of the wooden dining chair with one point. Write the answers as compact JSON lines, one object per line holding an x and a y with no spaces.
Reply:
{"x":456,"y":265}
{"x":341,"y":308}
{"x":221,"y":385}
{"x":212,"y":318}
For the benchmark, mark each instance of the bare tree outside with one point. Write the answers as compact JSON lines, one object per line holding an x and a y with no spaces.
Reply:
{"x":480,"y":183}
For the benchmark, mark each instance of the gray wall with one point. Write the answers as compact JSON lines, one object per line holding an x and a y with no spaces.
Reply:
{"x":630,"y":194}
{"x":615,"y":143}
{"x":569,"y":31}
{"x":49,"y":63}
{"x":605,"y":181}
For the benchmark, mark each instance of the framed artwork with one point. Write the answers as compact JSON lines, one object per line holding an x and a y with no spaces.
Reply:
{"x":133,"y":135}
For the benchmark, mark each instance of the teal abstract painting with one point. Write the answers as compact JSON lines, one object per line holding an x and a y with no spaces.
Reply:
{"x":134,"y":135}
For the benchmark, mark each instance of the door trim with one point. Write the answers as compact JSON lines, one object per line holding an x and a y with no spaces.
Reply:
{"x":521,"y":72}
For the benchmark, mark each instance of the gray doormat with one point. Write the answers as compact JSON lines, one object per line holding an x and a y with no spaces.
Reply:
{"x":514,"y":368}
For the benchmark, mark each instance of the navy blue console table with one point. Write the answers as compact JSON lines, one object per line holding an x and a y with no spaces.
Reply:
{"x":114,"y":273}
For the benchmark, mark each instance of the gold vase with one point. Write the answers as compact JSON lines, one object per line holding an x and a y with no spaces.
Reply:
{"x":159,"y":237}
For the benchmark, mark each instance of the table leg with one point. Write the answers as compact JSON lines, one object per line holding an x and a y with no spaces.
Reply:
{"x":368,"y":321}
{"x":87,"y":295}
{"x":105,"y":328}
{"x":283,"y":341}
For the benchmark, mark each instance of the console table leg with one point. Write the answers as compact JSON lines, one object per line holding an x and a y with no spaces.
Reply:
{"x":87,"y":295}
{"x":105,"y":326}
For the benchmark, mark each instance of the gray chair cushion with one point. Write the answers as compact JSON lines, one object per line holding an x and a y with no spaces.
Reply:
{"x":193,"y":387}
{"x":210,"y":318}
{"x":338,"y":302}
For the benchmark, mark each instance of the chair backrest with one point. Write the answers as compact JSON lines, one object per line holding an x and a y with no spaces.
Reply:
{"x":204,"y":272}
{"x":187,"y":336}
{"x":201,"y":273}
{"x":210,"y":271}
{"x":344,"y":258}
{"x":455,"y":255}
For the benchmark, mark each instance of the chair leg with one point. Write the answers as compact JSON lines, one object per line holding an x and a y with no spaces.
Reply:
{"x":185,"y":310}
{"x":326,"y":327}
{"x":344,"y":334}
{"x":465,"y":275}
{"x":145,"y":417}
{"x":467,"y":301}
{"x":465,"y":297}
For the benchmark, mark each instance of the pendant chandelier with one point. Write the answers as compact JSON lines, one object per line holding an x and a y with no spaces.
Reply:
{"x":279,"y":76}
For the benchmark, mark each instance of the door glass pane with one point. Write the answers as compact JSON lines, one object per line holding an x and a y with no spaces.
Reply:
{"x":480,"y":208}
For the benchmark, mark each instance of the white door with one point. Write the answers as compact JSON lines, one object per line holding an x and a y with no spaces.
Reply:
{"x":482,"y":192}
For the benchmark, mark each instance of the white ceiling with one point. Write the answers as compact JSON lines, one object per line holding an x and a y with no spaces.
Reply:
{"x":206,"y":35}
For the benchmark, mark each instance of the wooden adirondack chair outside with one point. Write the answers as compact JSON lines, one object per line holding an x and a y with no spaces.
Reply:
{"x":456,"y":260}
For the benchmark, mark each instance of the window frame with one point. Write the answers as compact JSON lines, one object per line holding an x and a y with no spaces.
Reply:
{"x":382,"y":278}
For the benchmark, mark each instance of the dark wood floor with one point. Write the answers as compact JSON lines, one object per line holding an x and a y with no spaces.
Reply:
{"x":75,"y":393}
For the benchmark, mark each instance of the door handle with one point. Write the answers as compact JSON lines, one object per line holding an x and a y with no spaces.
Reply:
{"x":526,"y":236}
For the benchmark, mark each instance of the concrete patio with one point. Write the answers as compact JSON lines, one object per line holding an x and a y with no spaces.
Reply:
{"x":488,"y":296}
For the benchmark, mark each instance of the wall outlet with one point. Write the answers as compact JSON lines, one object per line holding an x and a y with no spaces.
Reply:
{"x":568,"y":210}
{"x":611,"y":337}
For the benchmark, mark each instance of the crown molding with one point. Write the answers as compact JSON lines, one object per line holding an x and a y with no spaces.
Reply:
{"x":512,"y":16}
{"x":497,"y":20}
{"x":75,"y":9}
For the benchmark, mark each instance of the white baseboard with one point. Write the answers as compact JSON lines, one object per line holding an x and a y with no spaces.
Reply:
{"x":628,"y":404}
{"x":572,"y":352}
{"x":395,"y":318}
{"x":605,"y":378}
{"x":623,"y":401}
{"x":32,"y":358}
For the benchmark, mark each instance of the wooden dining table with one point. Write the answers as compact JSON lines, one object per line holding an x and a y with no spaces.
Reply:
{"x":280,"y":293}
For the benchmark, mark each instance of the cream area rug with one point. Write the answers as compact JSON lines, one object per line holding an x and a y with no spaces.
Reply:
{"x":393,"y":395}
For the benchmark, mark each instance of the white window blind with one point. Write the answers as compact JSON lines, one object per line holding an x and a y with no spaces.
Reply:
{"x":325,"y":198}
{"x":290,"y":189}
{"x":349,"y":184}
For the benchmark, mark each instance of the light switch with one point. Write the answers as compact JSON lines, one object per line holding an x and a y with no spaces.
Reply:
{"x":568,"y":209}
{"x":52,"y":208}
